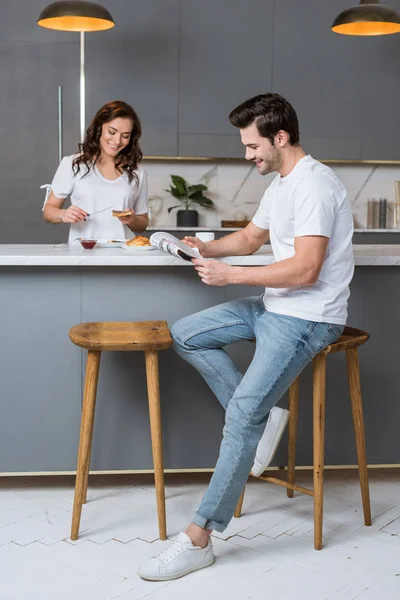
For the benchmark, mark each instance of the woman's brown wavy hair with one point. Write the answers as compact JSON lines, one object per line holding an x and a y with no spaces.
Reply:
{"x":128,"y":159}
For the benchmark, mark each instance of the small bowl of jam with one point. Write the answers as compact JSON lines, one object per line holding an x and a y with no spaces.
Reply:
{"x":88,"y":244}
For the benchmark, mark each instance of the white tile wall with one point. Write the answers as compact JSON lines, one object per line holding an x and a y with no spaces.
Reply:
{"x":236,"y":188}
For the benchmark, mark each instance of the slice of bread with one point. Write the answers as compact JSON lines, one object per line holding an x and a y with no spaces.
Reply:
{"x":122,"y":213}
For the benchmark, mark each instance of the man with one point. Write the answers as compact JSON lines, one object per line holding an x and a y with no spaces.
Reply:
{"x":306,"y":215}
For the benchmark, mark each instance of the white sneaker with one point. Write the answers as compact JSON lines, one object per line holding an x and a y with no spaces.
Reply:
{"x":268,"y":445}
{"x":178,"y":560}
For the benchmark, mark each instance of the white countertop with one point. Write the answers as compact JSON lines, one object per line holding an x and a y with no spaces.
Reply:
{"x":175,"y":228}
{"x":47,"y":255}
{"x":216,"y":228}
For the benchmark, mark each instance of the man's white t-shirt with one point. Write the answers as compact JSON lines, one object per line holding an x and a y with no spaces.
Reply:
{"x":309,"y":201}
{"x":92,"y":192}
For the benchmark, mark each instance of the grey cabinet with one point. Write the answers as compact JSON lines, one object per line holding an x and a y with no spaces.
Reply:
{"x":122,"y":434}
{"x":345,"y":89}
{"x":320,"y":73}
{"x":18,"y":23}
{"x":381,"y":98}
{"x":33,"y":62}
{"x":40,"y":370}
{"x":137,"y":61}
{"x":31,"y":73}
{"x":225,"y":58}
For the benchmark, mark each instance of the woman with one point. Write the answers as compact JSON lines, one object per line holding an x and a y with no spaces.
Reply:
{"x":104,"y":175}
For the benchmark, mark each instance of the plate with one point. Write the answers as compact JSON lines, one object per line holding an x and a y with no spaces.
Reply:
{"x":137,"y":248}
{"x":103,"y":243}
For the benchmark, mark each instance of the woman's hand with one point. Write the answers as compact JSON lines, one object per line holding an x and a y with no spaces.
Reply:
{"x":128,"y":220}
{"x":195,"y":242}
{"x":73,"y":214}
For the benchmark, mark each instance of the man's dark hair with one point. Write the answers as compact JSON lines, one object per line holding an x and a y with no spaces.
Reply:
{"x":271,"y":113}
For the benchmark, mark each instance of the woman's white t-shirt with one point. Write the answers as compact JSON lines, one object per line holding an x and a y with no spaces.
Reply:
{"x":92,"y":192}
{"x":309,"y":201}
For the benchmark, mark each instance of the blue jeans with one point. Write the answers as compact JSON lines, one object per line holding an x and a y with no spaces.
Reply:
{"x":284,"y":347}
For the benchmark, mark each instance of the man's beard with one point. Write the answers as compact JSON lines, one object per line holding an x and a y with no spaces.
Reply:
{"x":271,"y":164}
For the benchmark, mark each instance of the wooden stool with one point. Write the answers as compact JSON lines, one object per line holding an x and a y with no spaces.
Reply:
{"x":348,"y":342}
{"x":146,"y":336}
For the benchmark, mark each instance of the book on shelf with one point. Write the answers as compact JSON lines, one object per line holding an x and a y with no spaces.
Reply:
{"x":396,"y":207}
{"x":380,"y":214}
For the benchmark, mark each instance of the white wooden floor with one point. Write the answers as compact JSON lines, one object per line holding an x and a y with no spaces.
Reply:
{"x":266,"y":554}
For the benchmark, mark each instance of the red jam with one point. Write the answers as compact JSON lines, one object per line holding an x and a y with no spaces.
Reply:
{"x":88,"y":244}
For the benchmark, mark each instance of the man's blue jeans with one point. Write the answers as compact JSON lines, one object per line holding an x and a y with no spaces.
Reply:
{"x":284,"y":346}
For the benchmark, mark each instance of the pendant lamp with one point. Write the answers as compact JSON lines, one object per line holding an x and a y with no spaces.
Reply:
{"x":368,"y":18}
{"x":77,"y":15}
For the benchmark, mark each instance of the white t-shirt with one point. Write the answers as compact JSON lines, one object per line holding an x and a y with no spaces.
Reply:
{"x":92,"y":192}
{"x":310,"y":201}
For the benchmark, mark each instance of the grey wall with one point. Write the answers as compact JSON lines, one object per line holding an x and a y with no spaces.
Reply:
{"x":184,"y":64}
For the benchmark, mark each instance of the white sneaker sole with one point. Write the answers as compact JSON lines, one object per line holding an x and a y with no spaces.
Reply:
{"x":259,"y":468}
{"x":208,"y":563}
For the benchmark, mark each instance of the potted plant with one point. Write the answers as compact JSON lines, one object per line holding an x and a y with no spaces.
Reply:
{"x":188,"y":195}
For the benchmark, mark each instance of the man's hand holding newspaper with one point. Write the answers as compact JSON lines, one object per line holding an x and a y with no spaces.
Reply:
{"x":211,"y":272}
{"x":170,"y":244}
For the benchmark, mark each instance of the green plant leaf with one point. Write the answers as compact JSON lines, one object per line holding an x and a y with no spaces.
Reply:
{"x":192,"y":189}
{"x":180,"y":185}
{"x":172,"y":208}
{"x":188,"y":194}
{"x":174,"y":192}
{"x":204,"y":201}
{"x":195,"y":195}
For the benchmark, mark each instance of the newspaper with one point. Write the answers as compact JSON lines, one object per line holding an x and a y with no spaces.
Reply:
{"x":170,"y":244}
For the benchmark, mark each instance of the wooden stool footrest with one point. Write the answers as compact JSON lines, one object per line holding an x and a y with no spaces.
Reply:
{"x":286,"y":484}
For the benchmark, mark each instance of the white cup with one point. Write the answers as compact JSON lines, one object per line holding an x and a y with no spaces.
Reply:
{"x":205,"y":236}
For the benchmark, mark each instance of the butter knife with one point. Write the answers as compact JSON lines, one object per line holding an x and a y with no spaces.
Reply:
{"x":96,"y":212}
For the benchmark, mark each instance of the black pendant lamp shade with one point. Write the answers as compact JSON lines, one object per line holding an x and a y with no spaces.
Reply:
{"x":75,"y":15}
{"x":368,"y":18}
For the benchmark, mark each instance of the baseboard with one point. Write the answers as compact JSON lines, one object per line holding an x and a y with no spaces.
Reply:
{"x":150,"y":471}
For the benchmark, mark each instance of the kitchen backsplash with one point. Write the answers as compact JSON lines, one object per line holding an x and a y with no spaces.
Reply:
{"x":236,"y":189}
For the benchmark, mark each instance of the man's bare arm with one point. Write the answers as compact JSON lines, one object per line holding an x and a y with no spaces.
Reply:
{"x":302,"y":269}
{"x":240,"y":243}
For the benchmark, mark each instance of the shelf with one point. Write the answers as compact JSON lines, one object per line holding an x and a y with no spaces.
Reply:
{"x":377,"y":231}
{"x":329,"y":161}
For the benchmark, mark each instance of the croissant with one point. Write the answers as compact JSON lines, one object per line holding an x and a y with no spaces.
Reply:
{"x":139,"y":240}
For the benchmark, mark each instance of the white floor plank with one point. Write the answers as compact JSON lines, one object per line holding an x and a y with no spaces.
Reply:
{"x":266,"y":554}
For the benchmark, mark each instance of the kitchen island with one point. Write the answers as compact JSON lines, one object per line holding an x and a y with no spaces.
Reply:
{"x":45,"y":290}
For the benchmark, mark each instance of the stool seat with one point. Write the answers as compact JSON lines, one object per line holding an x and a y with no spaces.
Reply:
{"x":350,"y":338}
{"x":124,"y":336}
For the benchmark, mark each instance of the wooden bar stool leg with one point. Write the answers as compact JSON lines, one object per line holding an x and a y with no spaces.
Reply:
{"x":153,"y":390}
{"x":353,"y":370}
{"x":238,"y":509}
{"x":89,"y":402}
{"x":86,"y":476}
{"x":293,"y":418}
{"x":319,"y":365}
